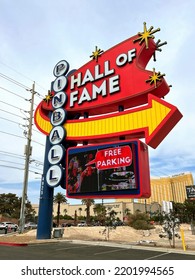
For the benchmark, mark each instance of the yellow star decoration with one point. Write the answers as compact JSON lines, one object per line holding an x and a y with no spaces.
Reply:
{"x":96,"y":53}
{"x":156,"y":77}
{"x":48,"y":97}
{"x":144,"y":36}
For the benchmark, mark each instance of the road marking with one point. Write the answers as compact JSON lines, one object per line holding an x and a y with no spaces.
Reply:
{"x":157,"y":256}
{"x":111,"y":251}
{"x":72,"y":247}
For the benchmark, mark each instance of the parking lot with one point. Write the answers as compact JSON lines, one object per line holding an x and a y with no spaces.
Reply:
{"x":68,"y":250}
{"x":3,"y":231}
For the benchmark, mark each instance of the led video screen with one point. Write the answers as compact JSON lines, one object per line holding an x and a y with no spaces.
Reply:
{"x":106,"y":170}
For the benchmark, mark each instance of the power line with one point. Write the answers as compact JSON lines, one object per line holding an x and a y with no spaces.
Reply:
{"x":7,"y":90}
{"x":17,"y":163}
{"x":21,"y":74}
{"x":19,"y":125}
{"x":16,"y":71}
{"x":39,"y":95}
{"x":11,"y":134}
{"x":37,"y":131}
{"x":14,"y":81}
{"x":13,"y":114}
{"x":11,"y":154}
{"x":37,"y":162}
{"x":13,"y":167}
{"x":9,"y":120}
{"x":38,"y":143}
{"x":8,"y":161}
{"x":13,"y":106}
{"x":8,"y":154}
{"x":18,"y":108}
{"x":14,"y":93}
{"x":22,"y":169}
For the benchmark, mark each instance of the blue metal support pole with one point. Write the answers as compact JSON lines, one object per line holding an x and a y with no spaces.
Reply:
{"x":46,"y":201}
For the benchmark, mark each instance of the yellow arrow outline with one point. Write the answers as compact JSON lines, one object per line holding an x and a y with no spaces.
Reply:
{"x":142,"y":121}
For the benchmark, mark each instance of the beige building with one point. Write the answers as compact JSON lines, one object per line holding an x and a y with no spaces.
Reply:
{"x":171,"y":188}
{"x":119,"y":207}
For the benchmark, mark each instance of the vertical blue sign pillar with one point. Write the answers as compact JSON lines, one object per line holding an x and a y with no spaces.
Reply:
{"x":53,"y":172}
{"x":46,"y":202}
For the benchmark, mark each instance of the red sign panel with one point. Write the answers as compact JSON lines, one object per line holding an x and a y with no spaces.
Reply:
{"x":118,"y":77}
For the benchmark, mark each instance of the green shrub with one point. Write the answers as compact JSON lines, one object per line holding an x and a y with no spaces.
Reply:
{"x":139,"y":221}
{"x":141,"y":224}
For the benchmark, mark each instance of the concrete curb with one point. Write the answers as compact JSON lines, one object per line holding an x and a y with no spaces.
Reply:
{"x":135,"y":246}
{"x":12,"y":244}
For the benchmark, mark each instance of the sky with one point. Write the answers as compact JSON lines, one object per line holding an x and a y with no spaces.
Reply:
{"x":35,"y":35}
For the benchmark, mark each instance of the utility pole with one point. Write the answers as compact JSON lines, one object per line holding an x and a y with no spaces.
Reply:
{"x":27,"y":152}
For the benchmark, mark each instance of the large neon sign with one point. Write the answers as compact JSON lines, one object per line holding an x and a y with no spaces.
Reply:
{"x":112,"y":100}
{"x":114,"y":82}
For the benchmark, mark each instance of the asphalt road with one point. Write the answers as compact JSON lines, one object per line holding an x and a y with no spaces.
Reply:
{"x":75,"y":251}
